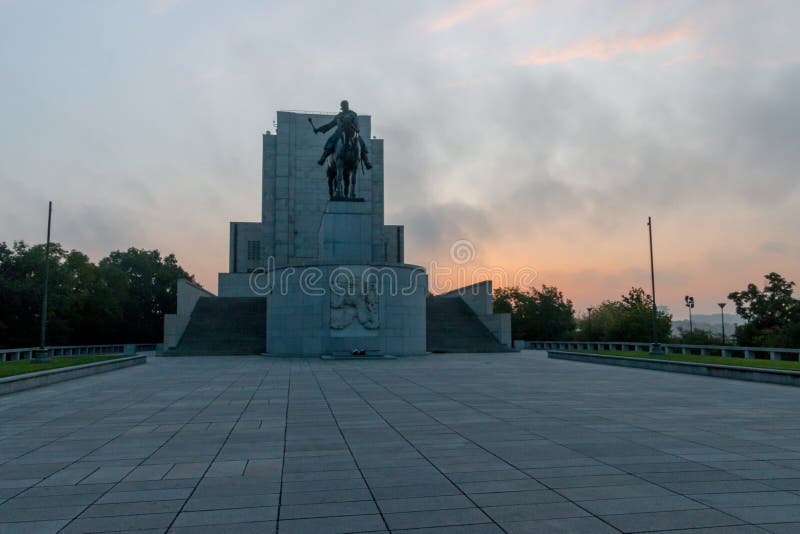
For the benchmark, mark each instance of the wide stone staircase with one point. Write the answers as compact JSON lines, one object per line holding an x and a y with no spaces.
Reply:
{"x":454,"y":327}
{"x":225,"y":326}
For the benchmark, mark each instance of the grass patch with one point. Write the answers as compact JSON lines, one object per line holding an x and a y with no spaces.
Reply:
{"x":693,"y":358}
{"x":22,"y":367}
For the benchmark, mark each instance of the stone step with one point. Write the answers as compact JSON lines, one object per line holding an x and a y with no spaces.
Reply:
{"x":222,"y":325}
{"x":453,"y":327}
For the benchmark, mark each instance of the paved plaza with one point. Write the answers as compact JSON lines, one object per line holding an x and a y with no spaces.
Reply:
{"x":473,"y":443}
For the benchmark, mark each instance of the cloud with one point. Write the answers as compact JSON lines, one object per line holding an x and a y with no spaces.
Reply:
{"x":780,"y":248}
{"x":685,"y":58}
{"x":161,"y":7}
{"x":461,"y":13}
{"x":435,"y":227}
{"x":211,"y":73}
{"x":603,"y":49}
{"x":556,"y":168}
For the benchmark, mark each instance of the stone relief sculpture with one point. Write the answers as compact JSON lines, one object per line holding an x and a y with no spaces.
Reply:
{"x":359,"y":303}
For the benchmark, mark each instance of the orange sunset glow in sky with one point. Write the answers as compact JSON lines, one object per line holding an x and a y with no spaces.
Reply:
{"x":543,"y":133}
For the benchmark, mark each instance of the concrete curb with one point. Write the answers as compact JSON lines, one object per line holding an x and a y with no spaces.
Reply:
{"x":334,"y":357}
{"x":768,"y":376}
{"x":11,"y":384}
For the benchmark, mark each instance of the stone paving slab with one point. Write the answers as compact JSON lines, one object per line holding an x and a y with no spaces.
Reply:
{"x":472,"y":443}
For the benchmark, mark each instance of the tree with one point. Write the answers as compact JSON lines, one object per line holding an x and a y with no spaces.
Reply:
{"x":74,"y":285}
{"x":697,"y":336}
{"x":628,"y":319}
{"x":536,"y":314}
{"x":772,"y":313}
{"x":20,"y":293}
{"x":121,"y":300}
{"x":147,"y":285}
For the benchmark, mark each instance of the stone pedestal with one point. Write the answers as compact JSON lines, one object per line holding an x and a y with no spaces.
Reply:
{"x":345,"y":234}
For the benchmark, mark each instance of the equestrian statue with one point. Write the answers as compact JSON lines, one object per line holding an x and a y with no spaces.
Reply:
{"x":343,"y":150}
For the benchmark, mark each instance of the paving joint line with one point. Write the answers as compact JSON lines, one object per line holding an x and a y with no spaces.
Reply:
{"x":415,"y":447}
{"x":227,"y":437}
{"x":349,"y":449}
{"x":556,"y":443}
{"x":285,"y":434}
{"x":484,"y":448}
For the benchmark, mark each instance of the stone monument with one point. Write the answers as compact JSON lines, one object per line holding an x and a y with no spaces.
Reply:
{"x":320,"y":273}
{"x":333,"y":274}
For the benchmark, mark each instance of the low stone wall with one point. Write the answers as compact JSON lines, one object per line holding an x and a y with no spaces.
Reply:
{"x":175,"y":323}
{"x":479,"y":297}
{"x":751,"y":374}
{"x":726,"y":351}
{"x":12,"y":384}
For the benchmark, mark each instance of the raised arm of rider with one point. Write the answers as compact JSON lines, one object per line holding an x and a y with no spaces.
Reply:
{"x":325,"y":127}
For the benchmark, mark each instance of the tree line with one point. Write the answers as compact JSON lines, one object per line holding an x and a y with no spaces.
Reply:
{"x":771,"y":312}
{"x":120,"y":299}
{"x":123,"y":298}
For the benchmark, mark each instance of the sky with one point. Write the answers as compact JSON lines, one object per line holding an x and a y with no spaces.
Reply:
{"x":540,"y":133}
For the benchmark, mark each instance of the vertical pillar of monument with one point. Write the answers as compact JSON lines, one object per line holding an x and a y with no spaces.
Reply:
{"x":268,"y":161}
{"x":376,"y":195}
{"x":281,"y":205}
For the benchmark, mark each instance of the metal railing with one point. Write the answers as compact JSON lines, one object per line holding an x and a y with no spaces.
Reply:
{"x":728,"y":351}
{"x":11,"y":355}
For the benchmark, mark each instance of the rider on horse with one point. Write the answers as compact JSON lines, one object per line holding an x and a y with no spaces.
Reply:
{"x":345,"y":122}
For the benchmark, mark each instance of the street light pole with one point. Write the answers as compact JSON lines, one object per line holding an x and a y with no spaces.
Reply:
{"x":722,"y":319}
{"x":690,"y":304}
{"x":42,"y":355}
{"x":655,"y":347}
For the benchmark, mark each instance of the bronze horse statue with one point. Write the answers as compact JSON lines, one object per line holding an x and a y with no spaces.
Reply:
{"x":343,"y":167}
{"x":343,"y":151}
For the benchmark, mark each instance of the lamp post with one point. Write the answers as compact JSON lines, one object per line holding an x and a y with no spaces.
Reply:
{"x":689,"y":304}
{"x":722,"y":319}
{"x":42,"y":354}
{"x":655,"y":347}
